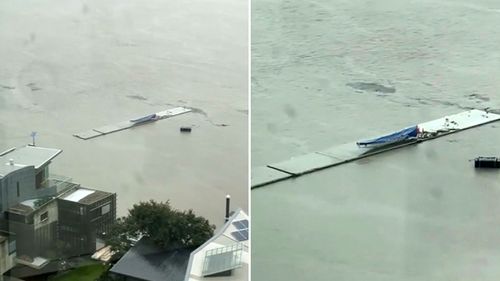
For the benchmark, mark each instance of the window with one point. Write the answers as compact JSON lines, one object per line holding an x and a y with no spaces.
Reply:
{"x":105,"y":209}
{"x":12,"y":246}
{"x":44,"y":216}
{"x":41,"y":179}
{"x":18,"y":190}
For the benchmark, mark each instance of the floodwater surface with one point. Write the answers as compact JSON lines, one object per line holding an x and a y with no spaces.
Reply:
{"x":332,"y":72}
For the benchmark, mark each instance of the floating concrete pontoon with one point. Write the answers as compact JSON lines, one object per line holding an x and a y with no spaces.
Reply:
{"x":308,"y":163}
{"x":101,"y":131}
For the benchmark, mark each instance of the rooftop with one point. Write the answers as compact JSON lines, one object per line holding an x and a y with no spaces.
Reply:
{"x":230,"y":238}
{"x":27,"y":156}
{"x":84,"y":195}
{"x":28,"y":206}
{"x":6,"y":169}
{"x":74,"y":194}
{"x":148,"y":262}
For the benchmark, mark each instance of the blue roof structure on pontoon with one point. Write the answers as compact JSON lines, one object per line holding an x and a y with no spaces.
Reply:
{"x":404,"y":134}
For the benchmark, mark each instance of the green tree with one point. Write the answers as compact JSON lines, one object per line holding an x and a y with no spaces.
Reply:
{"x":119,"y":237}
{"x":167,"y":227}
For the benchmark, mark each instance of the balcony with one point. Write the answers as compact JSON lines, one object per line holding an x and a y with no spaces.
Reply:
{"x":56,"y":184}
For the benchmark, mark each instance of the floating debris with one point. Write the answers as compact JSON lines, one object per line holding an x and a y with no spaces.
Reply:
{"x":372,"y":87}
{"x":487,"y":162}
{"x":137,"y":97}
{"x":7,"y":87}
{"x":33,"y":87}
{"x":479,"y":97}
{"x":185,"y":129}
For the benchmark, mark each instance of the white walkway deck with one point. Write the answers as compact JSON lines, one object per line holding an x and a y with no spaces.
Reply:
{"x":339,"y":154}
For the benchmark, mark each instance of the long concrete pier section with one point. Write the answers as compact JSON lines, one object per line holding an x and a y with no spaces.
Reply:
{"x":340,"y":154}
{"x":108,"y":129}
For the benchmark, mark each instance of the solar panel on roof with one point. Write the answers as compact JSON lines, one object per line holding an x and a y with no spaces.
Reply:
{"x":240,"y":235}
{"x":244,"y":233}
{"x":237,"y":224}
{"x":242,"y":224}
{"x":222,"y":259}
{"x":245,"y":223}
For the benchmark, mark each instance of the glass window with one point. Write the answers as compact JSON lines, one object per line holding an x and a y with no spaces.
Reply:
{"x":44,"y":216}
{"x":105,"y":209}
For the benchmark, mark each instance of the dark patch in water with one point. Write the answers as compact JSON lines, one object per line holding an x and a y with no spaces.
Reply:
{"x":363,"y":161}
{"x":372,"y":87}
{"x":7,"y":87}
{"x":202,"y":112}
{"x":422,"y":101}
{"x":436,"y":193}
{"x":138,"y":178}
{"x":431,"y":101}
{"x":290,"y":111}
{"x":85,"y":9}
{"x":137,"y":97}
{"x":197,"y":110}
{"x":33,"y":87}
{"x":271,"y":127}
{"x":478,"y":97}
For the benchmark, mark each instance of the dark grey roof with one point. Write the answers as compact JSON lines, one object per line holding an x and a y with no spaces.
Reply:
{"x":149,"y":262}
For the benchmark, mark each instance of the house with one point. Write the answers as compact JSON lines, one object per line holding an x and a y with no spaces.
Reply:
{"x":146,"y":261}
{"x":85,"y":215}
{"x":223,"y":257}
{"x":24,"y":175}
{"x":51,"y":216}
{"x":7,"y":252}
{"x":35,"y":225}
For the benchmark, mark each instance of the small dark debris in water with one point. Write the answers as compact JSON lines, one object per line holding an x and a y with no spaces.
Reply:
{"x":185,"y":129}
{"x":372,"y":87}
{"x":137,"y":97}
{"x":479,"y":97}
{"x":33,"y":87}
{"x":7,"y":87}
{"x":221,"y":125}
